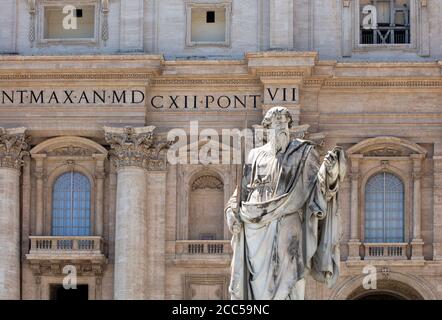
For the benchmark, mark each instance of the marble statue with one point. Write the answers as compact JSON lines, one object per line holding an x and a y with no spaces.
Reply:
{"x":286,"y":223}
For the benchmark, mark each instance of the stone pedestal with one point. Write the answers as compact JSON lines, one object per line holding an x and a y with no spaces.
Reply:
{"x":353,"y":250}
{"x":12,"y":148}
{"x":417,"y":249}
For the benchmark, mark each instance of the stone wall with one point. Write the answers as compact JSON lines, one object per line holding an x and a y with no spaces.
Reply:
{"x":153,"y":26}
{"x":386,"y":115}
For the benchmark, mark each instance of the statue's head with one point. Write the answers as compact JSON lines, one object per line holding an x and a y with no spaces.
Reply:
{"x":277,"y":121}
{"x":277,"y":118}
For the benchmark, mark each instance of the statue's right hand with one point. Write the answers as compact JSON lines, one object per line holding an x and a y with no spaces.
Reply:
{"x":232,"y":220}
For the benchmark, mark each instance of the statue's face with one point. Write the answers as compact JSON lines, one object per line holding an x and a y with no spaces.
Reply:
{"x":279,"y":128}
{"x":280,"y":122}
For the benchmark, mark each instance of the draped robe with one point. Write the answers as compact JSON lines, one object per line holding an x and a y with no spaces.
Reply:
{"x":290,"y":223}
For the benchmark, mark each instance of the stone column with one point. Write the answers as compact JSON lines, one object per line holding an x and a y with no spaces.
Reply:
{"x":346,"y":28}
{"x":99,"y":193}
{"x":437,"y":196}
{"x":13,"y":146}
{"x":131,"y":25}
{"x":354,"y":243}
{"x":156,"y":239}
{"x":417,"y":243}
{"x":39,"y":194}
{"x":130,"y":154}
{"x":424,"y":30}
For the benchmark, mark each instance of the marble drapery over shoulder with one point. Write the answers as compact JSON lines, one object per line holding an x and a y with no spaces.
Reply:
{"x":290,"y":223}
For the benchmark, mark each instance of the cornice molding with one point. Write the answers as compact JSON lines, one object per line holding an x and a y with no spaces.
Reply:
{"x":207,"y":82}
{"x":383,"y":83}
{"x":285,"y":74}
{"x":75,"y":76}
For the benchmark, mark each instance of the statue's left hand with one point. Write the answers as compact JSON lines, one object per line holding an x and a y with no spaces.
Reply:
{"x":332,"y":165}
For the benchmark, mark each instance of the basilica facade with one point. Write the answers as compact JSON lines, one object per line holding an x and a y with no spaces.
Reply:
{"x":93,"y":93}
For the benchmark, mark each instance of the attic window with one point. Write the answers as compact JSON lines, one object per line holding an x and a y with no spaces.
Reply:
{"x":208,"y":25}
{"x":210,"y":17}
{"x":79,"y":24}
{"x":79,"y":13}
{"x":385,"y":22}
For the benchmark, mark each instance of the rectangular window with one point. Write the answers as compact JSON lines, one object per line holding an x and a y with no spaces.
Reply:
{"x":210,"y":17}
{"x":75,"y":24}
{"x":384,"y":21}
{"x":204,"y":27}
{"x":208,"y":24}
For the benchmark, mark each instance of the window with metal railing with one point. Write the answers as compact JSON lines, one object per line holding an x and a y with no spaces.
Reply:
{"x":71,"y":205}
{"x":384,"y":22}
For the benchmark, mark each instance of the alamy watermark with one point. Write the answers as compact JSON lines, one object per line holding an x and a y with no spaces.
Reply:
{"x":209,"y":146}
{"x":70,"y":20}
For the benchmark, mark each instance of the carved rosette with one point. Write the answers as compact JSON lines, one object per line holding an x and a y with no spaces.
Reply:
{"x":14,"y":145}
{"x":136,"y":147}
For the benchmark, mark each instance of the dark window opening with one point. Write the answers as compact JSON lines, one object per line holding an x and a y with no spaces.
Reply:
{"x":79,"y":13}
{"x":392,"y":22}
{"x":57,"y":292}
{"x":210,"y":17}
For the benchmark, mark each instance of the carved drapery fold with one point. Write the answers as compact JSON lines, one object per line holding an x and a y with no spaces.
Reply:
{"x":14,"y":145}
{"x":136,"y":147}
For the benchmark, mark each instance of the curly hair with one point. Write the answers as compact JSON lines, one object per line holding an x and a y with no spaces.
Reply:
{"x":266,"y":122}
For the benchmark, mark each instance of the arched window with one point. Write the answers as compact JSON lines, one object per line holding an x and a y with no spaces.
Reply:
{"x":206,"y":210}
{"x":384,"y":209}
{"x":71,"y":205}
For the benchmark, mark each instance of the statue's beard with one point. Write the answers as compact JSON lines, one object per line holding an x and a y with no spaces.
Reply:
{"x":281,"y":140}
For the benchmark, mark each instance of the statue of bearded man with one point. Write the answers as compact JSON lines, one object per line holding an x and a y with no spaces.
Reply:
{"x":286,"y":223}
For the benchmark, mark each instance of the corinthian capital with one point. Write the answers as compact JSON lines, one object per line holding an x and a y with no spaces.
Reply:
{"x":135,"y":147}
{"x":14,"y":145}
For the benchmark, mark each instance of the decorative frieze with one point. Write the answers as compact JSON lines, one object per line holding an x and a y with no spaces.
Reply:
{"x":76,"y":76}
{"x":55,"y":268}
{"x":207,"y":182}
{"x":14,"y":145}
{"x":136,"y":147}
{"x":382,"y":83}
{"x":70,"y":151}
{"x":313,"y":82}
{"x":205,"y":82}
{"x":278,"y":74}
